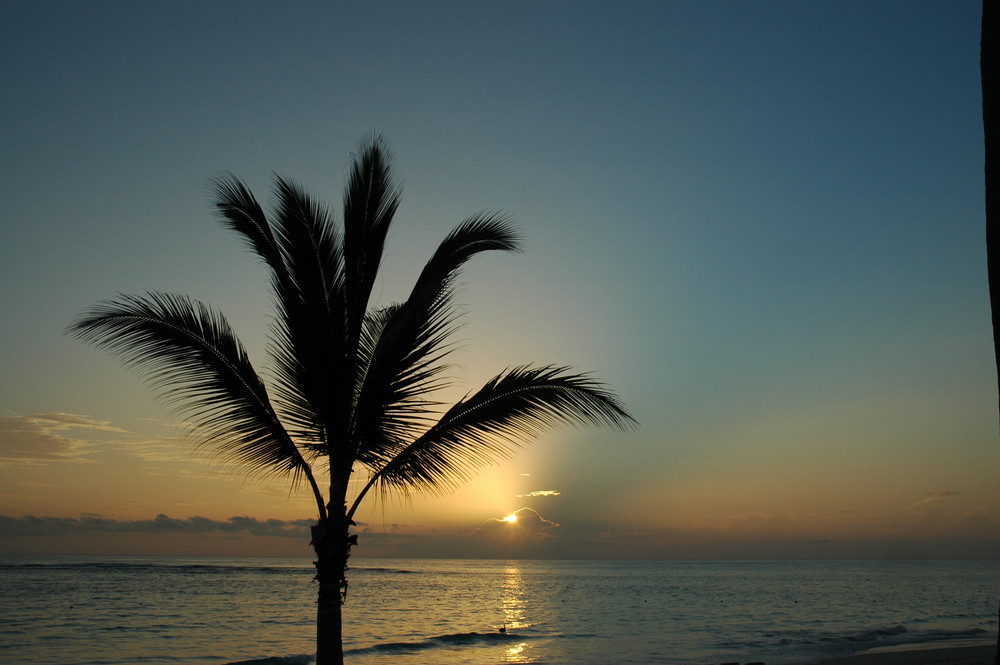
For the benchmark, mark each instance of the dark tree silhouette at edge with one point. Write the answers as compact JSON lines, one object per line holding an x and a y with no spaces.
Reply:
{"x":989,"y":56}
{"x":351,"y":390}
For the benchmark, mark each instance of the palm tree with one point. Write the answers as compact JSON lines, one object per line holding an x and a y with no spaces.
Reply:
{"x":351,"y":386}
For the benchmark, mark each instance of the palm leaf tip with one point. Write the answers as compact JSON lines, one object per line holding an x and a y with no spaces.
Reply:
{"x":488,"y":425}
{"x":194,"y":361}
{"x":492,"y":228}
{"x":239,"y":211}
{"x":559,"y":395}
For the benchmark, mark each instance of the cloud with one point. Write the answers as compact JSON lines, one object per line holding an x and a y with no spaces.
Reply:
{"x":539,"y":493}
{"x":934,"y":501}
{"x":529,"y":525}
{"x":163,"y":449}
{"x":42,"y":438}
{"x":90,"y":524}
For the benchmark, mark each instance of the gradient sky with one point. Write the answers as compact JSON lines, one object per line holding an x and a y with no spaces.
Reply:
{"x":761,"y":222}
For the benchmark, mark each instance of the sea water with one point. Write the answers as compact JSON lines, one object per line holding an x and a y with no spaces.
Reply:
{"x":169,"y":610}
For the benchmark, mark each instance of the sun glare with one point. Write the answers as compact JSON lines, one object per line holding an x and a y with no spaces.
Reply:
{"x":510,"y":518}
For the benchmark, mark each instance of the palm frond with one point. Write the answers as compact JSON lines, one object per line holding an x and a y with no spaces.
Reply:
{"x":479,"y":233}
{"x":240,"y":212}
{"x":509,"y":410}
{"x":393,"y":402}
{"x":402,"y":362}
{"x":371,"y":197}
{"x":308,"y":348}
{"x":194,"y":361}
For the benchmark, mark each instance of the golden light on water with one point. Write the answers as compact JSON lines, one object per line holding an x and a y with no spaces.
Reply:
{"x":514,"y":606}
{"x":512,"y":599}
{"x":515,"y":654}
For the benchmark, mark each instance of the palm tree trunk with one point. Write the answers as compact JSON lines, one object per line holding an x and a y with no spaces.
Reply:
{"x":332,"y":542}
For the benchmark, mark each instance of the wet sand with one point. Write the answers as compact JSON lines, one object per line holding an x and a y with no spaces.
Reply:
{"x":925,"y":655}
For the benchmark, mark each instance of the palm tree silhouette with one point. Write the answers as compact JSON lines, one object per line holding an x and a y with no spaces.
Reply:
{"x":351,"y":386}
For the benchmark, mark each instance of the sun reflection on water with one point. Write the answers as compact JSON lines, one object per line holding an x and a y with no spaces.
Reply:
{"x":512,"y":598}
{"x":516,"y":654}
{"x":514,"y":608}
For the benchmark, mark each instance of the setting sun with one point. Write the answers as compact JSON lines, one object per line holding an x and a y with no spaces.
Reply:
{"x":510,"y":518}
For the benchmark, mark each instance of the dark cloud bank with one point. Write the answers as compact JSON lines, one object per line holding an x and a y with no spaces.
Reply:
{"x":31,"y":526}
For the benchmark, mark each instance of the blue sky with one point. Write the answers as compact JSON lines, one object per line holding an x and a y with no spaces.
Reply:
{"x":761,"y":222}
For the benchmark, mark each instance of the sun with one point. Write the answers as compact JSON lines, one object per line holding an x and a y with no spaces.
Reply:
{"x":510,"y":518}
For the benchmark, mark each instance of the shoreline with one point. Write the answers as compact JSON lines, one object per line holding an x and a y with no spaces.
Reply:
{"x":964,"y":652}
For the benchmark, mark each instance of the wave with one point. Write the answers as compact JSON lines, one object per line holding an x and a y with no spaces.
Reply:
{"x":944,"y":635}
{"x":279,"y":660}
{"x":836,"y":645}
{"x":455,"y":639}
{"x":438,"y":641}
{"x":875,"y":634}
{"x":390,"y":571}
{"x":894,"y":635}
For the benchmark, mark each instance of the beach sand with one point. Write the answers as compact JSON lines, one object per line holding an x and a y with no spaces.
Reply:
{"x":925,"y":655}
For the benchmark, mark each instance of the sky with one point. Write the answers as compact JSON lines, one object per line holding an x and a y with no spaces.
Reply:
{"x":760,"y":222}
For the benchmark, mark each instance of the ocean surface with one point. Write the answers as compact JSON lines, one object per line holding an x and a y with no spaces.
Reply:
{"x":81,"y":610}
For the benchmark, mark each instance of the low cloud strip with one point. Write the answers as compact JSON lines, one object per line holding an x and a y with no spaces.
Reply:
{"x":32,"y":526}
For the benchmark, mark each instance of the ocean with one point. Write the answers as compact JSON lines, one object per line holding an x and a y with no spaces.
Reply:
{"x":89,"y":610}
